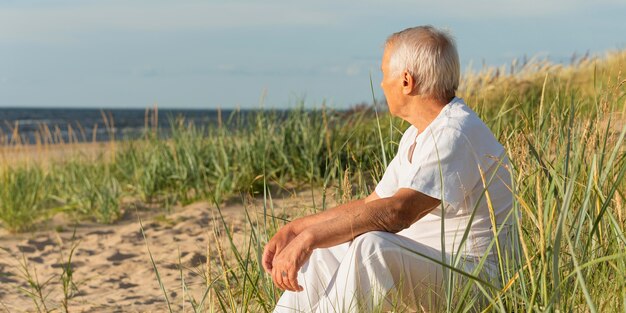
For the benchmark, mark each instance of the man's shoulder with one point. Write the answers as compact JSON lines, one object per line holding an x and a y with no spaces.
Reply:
{"x":464,"y":122}
{"x":462,"y":118}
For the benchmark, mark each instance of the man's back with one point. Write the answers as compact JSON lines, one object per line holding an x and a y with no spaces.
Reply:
{"x":454,"y":159}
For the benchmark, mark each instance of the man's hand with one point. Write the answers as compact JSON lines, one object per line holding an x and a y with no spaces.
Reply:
{"x":280,"y":240}
{"x":287,"y":263}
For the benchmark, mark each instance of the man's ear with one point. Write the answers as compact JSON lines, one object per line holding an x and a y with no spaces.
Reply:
{"x":408,"y":83}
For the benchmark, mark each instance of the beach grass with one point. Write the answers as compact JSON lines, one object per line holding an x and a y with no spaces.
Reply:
{"x":562,"y":126}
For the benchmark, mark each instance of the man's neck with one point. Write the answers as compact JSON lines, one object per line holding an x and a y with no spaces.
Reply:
{"x":422,"y":111}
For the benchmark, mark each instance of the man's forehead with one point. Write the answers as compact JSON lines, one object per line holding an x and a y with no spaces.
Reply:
{"x":385,"y":57}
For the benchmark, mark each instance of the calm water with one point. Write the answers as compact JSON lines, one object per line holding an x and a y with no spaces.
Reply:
{"x":87,"y":124}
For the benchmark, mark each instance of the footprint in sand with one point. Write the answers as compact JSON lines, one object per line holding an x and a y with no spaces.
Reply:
{"x":6,"y":277}
{"x":118,"y":257}
{"x":193,"y":260}
{"x":100,"y":233}
{"x":86,"y":252}
{"x":26,"y":249}
{"x":152,"y":301}
{"x":36,"y":259}
{"x":73,"y":265}
{"x":133,"y":237}
{"x":124,"y":285}
{"x":41,"y":243}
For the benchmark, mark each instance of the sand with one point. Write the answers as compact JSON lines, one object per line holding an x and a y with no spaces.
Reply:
{"x":111,"y":264}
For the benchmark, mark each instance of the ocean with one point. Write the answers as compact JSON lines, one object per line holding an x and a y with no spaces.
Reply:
{"x":32,"y":125}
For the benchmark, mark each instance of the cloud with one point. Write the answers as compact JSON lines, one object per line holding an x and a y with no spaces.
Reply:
{"x":59,"y":23}
{"x":145,"y":71}
{"x":348,"y":70}
{"x":44,"y":21}
{"x":481,"y":9}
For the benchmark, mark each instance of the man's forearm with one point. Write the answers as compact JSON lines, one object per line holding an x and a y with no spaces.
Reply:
{"x":303,"y":223}
{"x":382,"y":214}
{"x":391,"y":214}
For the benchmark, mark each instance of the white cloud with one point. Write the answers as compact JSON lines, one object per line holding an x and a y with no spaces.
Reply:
{"x":353,"y":70}
{"x":482,"y":9}
{"x":59,"y":23}
{"x":43,"y":21}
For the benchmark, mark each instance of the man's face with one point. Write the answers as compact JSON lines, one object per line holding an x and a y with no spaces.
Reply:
{"x":392,"y":86}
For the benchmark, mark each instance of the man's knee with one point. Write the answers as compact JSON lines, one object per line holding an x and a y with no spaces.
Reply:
{"x":370,"y":242}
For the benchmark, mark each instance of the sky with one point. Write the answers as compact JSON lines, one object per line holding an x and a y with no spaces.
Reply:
{"x":271,"y":54}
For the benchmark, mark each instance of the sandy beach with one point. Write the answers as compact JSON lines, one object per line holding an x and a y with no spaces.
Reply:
{"x":111,"y":264}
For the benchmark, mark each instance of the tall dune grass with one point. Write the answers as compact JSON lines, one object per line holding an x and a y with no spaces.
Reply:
{"x":303,"y":147}
{"x":563,"y":127}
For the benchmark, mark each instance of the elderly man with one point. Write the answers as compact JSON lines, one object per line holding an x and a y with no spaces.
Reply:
{"x":443,"y":199}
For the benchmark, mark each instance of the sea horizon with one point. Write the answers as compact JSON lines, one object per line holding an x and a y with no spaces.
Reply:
{"x":61,"y":125}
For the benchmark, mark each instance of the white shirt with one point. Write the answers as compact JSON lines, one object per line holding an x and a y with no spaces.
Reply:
{"x":455,"y":157}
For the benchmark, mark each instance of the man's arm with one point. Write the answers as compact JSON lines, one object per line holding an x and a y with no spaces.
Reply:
{"x":290,"y":231}
{"x":387,"y":214}
{"x":303,"y":223}
{"x":391,"y":214}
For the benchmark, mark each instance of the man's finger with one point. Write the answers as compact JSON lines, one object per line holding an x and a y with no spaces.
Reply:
{"x":267,"y":261}
{"x":268,"y":256}
{"x":293,"y":280}
{"x":280,"y":279}
{"x":286,"y":279}
{"x":277,"y":249}
{"x":275,"y":278}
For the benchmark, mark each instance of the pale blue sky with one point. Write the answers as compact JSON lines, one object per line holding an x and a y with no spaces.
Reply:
{"x":209,"y":54}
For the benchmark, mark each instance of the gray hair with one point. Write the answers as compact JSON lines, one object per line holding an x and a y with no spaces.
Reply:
{"x":430,"y":56}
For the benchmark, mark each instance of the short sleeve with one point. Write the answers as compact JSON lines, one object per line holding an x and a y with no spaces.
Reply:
{"x":445,"y":168}
{"x":388,"y":185}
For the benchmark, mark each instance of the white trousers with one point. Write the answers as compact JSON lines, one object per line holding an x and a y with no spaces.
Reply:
{"x":377,"y":271}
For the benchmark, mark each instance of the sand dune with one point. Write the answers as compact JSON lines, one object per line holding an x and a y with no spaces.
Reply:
{"x":111,"y":264}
